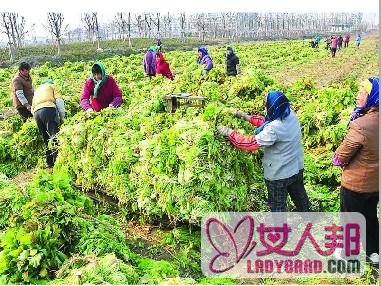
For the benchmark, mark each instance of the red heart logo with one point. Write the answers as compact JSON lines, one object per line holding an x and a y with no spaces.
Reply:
{"x":240,"y":240}
{"x":273,"y":237}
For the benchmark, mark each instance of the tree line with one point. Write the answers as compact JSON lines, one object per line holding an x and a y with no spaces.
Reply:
{"x":232,"y":26}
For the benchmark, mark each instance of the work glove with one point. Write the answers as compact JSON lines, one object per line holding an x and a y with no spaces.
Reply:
{"x":89,"y":110}
{"x":204,"y":72}
{"x":224,"y":131}
{"x":110,"y":105}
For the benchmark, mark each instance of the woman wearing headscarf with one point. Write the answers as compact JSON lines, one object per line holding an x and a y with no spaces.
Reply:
{"x":100,"y":90}
{"x":358,"y":155}
{"x":204,"y":59}
{"x":162,"y":66}
{"x":280,"y":137}
{"x":158,"y":44}
{"x":232,"y":62}
{"x":358,"y":40}
{"x":149,"y":61}
{"x":333,"y":46}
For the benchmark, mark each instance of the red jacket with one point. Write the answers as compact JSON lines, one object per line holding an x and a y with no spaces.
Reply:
{"x":108,"y":94}
{"x":247,"y":142}
{"x":162,"y":66}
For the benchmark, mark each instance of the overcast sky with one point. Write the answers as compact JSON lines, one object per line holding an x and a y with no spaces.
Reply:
{"x":35,"y":10}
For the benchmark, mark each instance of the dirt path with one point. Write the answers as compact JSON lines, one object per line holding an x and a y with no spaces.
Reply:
{"x":327,"y":70}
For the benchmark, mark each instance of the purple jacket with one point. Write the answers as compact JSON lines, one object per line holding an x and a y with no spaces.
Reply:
{"x":149,"y":63}
{"x":207,"y":60}
{"x":108,"y":94}
{"x":334,"y":43}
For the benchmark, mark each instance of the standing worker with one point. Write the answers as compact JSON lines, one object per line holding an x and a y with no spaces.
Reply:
{"x":333,"y":46}
{"x":358,"y":40}
{"x":340,"y":42}
{"x":346,"y":40}
{"x":328,"y":43}
{"x":317,"y":41}
{"x":358,"y":155}
{"x":158,"y":44}
{"x":23,"y":91}
{"x":232,"y":62}
{"x":280,"y":136}
{"x":49,"y":112}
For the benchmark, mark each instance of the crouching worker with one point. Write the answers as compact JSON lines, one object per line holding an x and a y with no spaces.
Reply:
{"x":280,"y":137}
{"x":49,"y":112}
{"x":100,"y":90}
{"x":204,"y":59}
{"x":162,"y":66}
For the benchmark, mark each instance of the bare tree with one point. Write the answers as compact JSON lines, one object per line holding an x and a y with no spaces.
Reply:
{"x":56,"y":28}
{"x":139,"y":24}
{"x":123,"y":23}
{"x":120,"y":24}
{"x":13,"y":26}
{"x":88,"y":23}
{"x":182,"y":25}
{"x":167,"y":25}
{"x":147,"y":24}
{"x":6,"y":29}
{"x":156,"y":22}
{"x":96,"y":28}
{"x":201,"y":26}
{"x":92,"y":27}
{"x":18,"y":28}
{"x":21,"y":31}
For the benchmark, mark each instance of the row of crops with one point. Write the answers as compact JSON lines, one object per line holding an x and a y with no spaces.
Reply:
{"x":164,"y":169}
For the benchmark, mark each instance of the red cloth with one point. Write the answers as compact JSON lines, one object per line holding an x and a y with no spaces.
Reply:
{"x":108,"y":94}
{"x":162,"y":66}
{"x":257,"y":120}
{"x":243,"y":141}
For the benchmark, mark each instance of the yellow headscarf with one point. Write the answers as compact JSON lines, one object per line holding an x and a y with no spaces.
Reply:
{"x":367,"y":85}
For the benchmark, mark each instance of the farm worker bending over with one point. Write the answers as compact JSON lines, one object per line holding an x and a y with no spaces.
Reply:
{"x":232,"y":62}
{"x":280,"y":137}
{"x":100,"y":90}
{"x":149,"y":61}
{"x":204,"y":59}
{"x":49,"y":112}
{"x":358,"y":155}
{"x":358,"y":40}
{"x":23,"y":91}
{"x":162,"y":66}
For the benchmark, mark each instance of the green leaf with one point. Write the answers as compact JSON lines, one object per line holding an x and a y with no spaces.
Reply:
{"x":35,"y":260}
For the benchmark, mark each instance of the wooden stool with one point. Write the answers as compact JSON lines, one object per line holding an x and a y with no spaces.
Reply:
{"x":184,"y":99}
